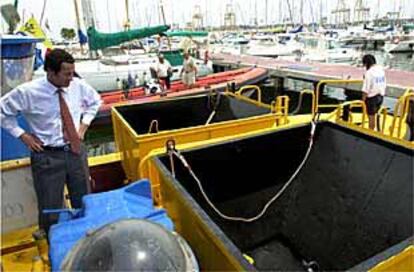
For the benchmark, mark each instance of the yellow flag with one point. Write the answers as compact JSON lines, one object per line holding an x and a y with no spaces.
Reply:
{"x":32,"y":27}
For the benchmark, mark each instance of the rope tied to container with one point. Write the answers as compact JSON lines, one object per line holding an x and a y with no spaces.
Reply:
{"x":153,"y":124}
{"x":172,"y":151}
{"x":213,"y":102}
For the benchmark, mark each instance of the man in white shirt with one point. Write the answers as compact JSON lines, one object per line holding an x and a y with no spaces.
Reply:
{"x":164,"y":72}
{"x":58,"y":108}
{"x":373,"y":87}
{"x":189,"y":71}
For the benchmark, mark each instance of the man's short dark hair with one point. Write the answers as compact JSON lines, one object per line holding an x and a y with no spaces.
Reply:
{"x":55,"y":58}
{"x":368,"y":61}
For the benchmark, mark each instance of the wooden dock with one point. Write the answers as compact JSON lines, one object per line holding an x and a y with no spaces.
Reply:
{"x":397,"y":80}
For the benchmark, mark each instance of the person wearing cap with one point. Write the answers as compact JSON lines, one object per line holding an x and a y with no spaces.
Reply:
{"x":58,"y":108}
{"x":188,"y":73}
{"x":164,"y":72}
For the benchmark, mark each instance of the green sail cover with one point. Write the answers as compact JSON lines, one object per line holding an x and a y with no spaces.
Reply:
{"x":186,"y":34}
{"x":98,"y":40}
{"x":174,"y":57}
{"x":408,"y":27}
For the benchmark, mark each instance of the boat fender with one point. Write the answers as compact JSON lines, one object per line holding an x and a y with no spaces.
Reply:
{"x":396,"y":40}
{"x":152,"y":87}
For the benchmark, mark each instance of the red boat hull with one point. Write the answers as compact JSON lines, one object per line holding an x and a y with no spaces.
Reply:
{"x":216,"y":82}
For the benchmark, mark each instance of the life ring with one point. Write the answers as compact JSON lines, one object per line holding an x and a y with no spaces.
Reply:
{"x":396,"y":40}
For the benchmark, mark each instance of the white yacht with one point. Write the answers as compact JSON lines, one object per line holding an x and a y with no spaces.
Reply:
{"x":108,"y":73}
{"x":323,"y":49}
{"x":400,"y":44}
{"x":273,"y":46}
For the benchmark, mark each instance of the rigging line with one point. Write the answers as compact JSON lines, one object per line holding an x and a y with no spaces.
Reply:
{"x":43,"y":12}
{"x":290,"y":12}
{"x":109,"y":16}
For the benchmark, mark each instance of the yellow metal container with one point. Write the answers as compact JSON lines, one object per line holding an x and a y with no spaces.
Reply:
{"x":141,"y":128}
{"x":208,"y":235}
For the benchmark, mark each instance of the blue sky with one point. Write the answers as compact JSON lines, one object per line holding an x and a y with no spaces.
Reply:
{"x":110,"y":14}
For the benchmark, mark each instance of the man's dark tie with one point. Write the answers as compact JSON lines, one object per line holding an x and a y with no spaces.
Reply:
{"x":69,"y":131}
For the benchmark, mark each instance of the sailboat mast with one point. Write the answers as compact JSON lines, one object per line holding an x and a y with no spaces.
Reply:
{"x":320,"y":13}
{"x":43,"y":12}
{"x":127,"y":24}
{"x":255,"y":15}
{"x":290,"y":12}
{"x":78,"y":24}
{"x":162,"y":13}
{"x":89,"y":21}
{"x":280,"y":11}
{"x":301,"y":12}
{"x":378,"y":6}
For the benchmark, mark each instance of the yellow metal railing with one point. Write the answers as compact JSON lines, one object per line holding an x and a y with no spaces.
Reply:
{"x":315,"y":102}
{"x":239,"y":95}
{"x":281,"y":108}
{"x":352,"y":104}
{"x":300,"y":101}
{"x":280,"y":105}
{"x":251,"y":87}
{"x":383,"y":112}
{"x":401,"y":110}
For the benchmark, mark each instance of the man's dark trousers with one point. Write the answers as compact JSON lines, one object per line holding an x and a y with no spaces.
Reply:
{"x":51,"y":169}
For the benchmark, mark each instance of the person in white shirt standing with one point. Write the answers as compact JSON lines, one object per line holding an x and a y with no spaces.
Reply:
{"x":189,"y":71}
{"x":164,"y":72}
{"x":373,"y":87}
{"x":58,"y":108}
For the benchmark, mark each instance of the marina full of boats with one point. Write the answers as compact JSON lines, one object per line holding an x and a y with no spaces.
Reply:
{"x":236,"y":172}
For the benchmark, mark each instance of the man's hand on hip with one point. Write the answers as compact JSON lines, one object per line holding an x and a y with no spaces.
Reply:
{"x":82,"y":131}
{"x":32,"y":142}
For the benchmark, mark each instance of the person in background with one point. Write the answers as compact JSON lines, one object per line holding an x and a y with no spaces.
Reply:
{"x":373,"y":88}
{"x":58,"y":108}
{"x":189,"y":71}
{"x":164,"y":72}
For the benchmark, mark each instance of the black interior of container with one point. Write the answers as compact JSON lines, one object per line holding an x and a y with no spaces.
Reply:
{"x":352,"y":199}
{"x":187,"y":112}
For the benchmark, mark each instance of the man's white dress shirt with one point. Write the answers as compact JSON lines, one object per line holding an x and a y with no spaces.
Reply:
{"x":38,"y":102}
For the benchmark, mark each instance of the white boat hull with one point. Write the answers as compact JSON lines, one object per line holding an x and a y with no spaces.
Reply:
{"x":402,"y":46}
{"x":109,"y":77}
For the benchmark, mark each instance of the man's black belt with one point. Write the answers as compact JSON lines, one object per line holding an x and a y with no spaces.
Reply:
{"x":57,"y":148}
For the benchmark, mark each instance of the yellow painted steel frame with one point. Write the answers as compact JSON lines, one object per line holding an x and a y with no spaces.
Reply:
{"x":239,"y":95}
{"x":401,"y":110}
{"x":330,"y":82}
{"x":92,"y":161}
{"x":352,"y":104}
{"x":210,"y":250}
{"x":311,"y":92}
{"x":404,"y":261}
{"x":134,"y":147}
{"x":251,"y":87}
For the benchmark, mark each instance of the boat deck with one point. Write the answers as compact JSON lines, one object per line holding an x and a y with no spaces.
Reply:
{"x":398,"y":80}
